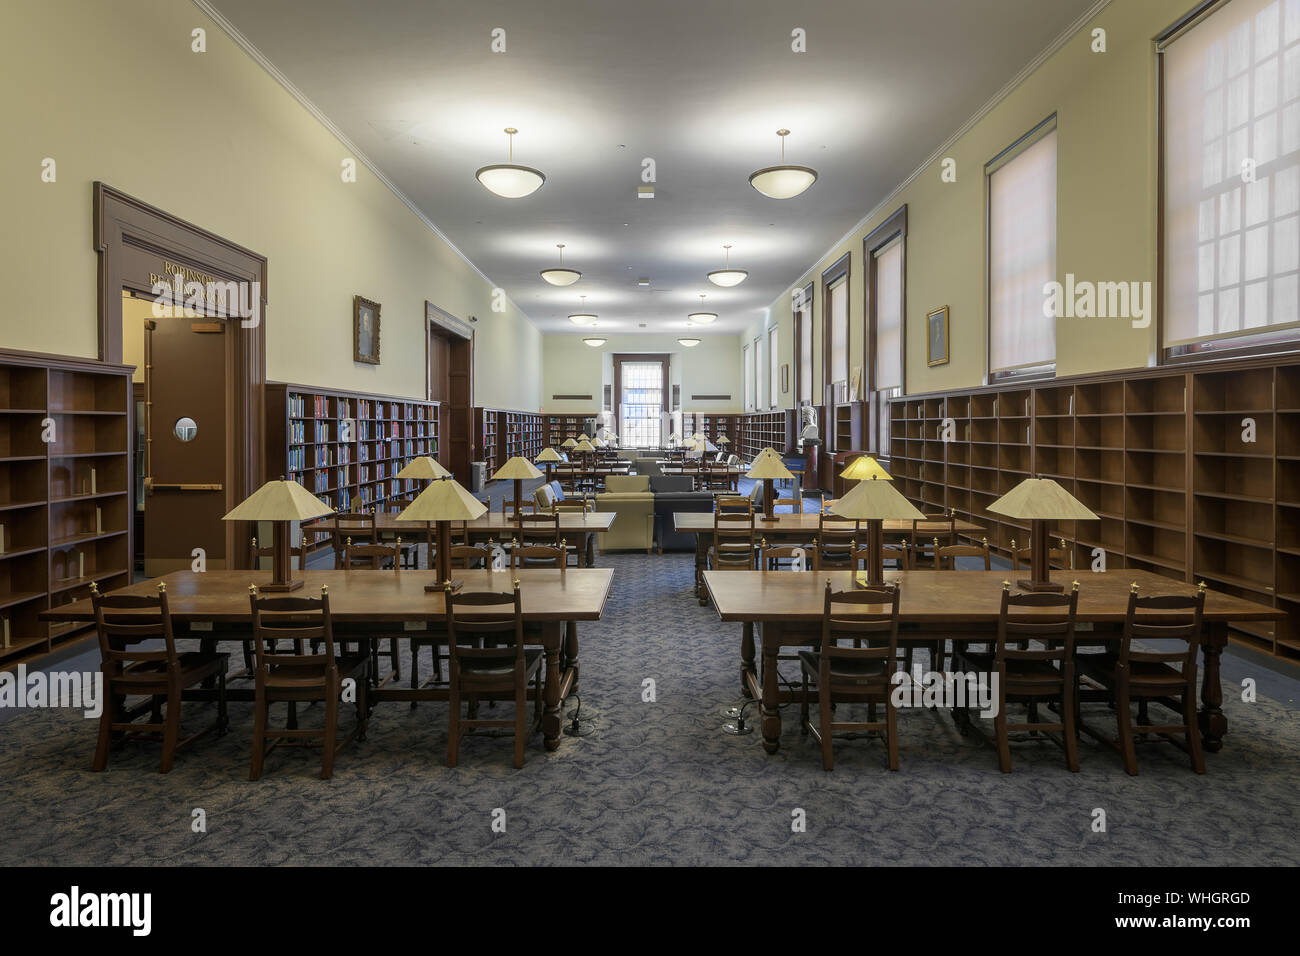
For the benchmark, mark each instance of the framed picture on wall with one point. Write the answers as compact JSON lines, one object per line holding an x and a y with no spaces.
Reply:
{"x":855,"y":380}
{"x":785,"y":379}
{"x":936,"y":336}
{"x":365,"y":330}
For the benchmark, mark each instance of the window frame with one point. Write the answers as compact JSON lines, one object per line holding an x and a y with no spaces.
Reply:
{"x":773,"y":368}
{"x":803,"y":319}
{"x":894,"y":227}
{"x":640,"y":358}
{"x":840,"y":268}
{"x":749,"y":373}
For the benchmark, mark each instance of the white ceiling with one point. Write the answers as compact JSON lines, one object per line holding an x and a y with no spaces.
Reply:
{"x":700,"y":86}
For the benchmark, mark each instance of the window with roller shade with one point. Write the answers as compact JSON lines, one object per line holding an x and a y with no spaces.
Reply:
{"x":803,"y":320}
{"x":758,"y":374}
{"x":1022,"y":255}
{"x":773,"y":370}
{"x":749,"y":379}
{"x":835,"y":326}
{"x":1230,"y":91}
{"x":888,"y":358}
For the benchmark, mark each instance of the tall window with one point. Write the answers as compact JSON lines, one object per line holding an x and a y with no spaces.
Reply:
{"x":803,"y":324}
{"x":1022,"y":254}
{"x":883,"y":251}
{"x":835,"y":303}
{"x":758,"y":374}
{"x":1231,"y":126}
{"x":749,"y":379}
{"x":773,"y":371}
{"x":641,"y":400}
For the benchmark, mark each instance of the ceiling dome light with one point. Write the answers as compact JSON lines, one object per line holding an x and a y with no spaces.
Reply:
{"x":783,"y":182}
{"x":702,"y":317}
{"x":595,"y":343}
{"x":728,"y":276}
{"x":560,"y":275}
{"x":509,"y":180}
{"x":689,"y":343}
{"x":584,"y":317}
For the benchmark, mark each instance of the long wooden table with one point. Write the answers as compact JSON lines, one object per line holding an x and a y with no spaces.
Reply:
{"x":787,"y":528}
{"x":787,"y":606}
{"x":578,"y":528}
{"x":200,"y":602}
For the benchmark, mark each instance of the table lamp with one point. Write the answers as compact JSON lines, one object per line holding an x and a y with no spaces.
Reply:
{"x":864,"y":466}
{"x":611,"y":438}
{"x":584,"y":437}
{"x":546,"y":458}
{"x":568,"y":444}
{"x":443,"y":502}
{"x":517,"y":469}
{"x":1041,"y":500}
{"x":280,"y":502}
{"x":584,"y":448}
{"x":724,"y":440}
{"x":874,"y":500}
{"x":423,"y":467}
{"x":768,"y":468}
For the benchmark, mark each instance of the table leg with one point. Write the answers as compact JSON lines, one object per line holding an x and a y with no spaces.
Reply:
{"x":571,"y":652}
{"x":1213,"y":723}
{"x":551,"y":685}
{"x":591,"y":550}
{"x":771,"y":710}
{"x":701,"y":562}
{"x":747,"y":668}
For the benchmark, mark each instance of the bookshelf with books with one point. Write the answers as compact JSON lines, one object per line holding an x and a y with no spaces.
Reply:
{"x":346,"y":447}
{"x":65,"y":493}
{"x":759,"y":430}
{"x":560,"y":428}
{"x":488,"y":436}
{"x":1193,"y":472}
{"x":521,"y":435}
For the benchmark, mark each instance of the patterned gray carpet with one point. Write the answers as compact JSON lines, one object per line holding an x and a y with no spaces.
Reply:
{"x":657,"y":783}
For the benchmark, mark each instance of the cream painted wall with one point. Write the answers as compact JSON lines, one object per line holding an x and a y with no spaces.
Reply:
{"x":710,"y":368}
{"x":112,"y":92}
{"x":1106,"y":209}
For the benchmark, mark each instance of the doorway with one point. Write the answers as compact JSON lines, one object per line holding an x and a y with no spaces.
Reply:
{"x":450,"y":353}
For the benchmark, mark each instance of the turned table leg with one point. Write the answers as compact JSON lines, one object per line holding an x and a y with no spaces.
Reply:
{"x":571,"y":652}
{"x":771,"y":710}
{"x":551,"y":685}
{"x":748,"y":671}
{"x":1213,"y":723}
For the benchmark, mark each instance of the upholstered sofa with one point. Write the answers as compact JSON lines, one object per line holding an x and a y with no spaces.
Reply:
{"x":674,"y":493}
{"x":633,"y":528}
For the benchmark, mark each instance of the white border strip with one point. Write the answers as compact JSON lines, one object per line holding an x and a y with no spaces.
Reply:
{"x":260,"y":59}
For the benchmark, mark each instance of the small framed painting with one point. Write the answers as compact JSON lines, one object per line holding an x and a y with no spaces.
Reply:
{"x":936,"y":337}
{"x":855,"y":382}
{"x":365,"y":330}
{"x":785,"y":379}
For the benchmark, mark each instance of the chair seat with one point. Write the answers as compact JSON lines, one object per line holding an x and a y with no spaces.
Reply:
{"x":1141,"y":673}
{"x":498,"y":666}
{"x":846,"y":667}
{"x":195,"y":666}
{"x":294,"y":677}
{"x":1020,"y":671}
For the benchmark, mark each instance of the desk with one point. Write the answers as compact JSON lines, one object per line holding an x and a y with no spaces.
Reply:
{"x":791,"y":528}
{"x":578,"y":528}
{"x":550,"y":597}
{"x":788,"y":605}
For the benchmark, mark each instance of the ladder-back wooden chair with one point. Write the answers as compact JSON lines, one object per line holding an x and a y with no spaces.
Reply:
{"x":499,"y":663}
{"x":1028,"y":674}
{"x":853,"y":673}
{"x":835,"y":540}
{"x":732,"y":548}
{"x":1060,"y":556}
{"x":1166,"y":675}
{"x":161,"y":675}
{"x":373,"y":557}
{"x":296,"y":678}
{"x":358,"y":525}
{"x":929,"y":533}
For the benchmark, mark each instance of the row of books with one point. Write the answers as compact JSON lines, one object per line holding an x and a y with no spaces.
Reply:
{"x":328,"y":478}
{"x":327,"y":455}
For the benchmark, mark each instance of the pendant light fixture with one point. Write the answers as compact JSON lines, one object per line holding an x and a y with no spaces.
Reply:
{"x":595,"y":342}
{"x":509,"y":179}
{"x":560,"y":275}
{"x":783,"y":182}
{"x":583,"y":317}
{"x":701,"y":317}
{"x":727,"y":277}
{"x":689,"y":343}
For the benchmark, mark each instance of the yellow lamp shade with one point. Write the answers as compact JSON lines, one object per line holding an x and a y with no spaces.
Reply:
{"x":765,"y":467}
{"x":584,"y":437}
{"x":444,"y":500}
{"x":1041,"y":499}
{"x":568,"y":443}
{"x":584,"y":446}
{"x":865,"y":466}
{"x":279,"y":501}
{"x":517,"y":467}
{"x":875,"y":499}
{"x":548,"y":454}
{"x":423,"y":467}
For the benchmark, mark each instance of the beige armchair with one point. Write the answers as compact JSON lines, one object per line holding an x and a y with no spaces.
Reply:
{"x":629,"y":496}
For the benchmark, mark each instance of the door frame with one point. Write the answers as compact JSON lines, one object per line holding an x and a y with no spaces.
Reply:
{"x":441,"y":322}
{"x":129,"y":236}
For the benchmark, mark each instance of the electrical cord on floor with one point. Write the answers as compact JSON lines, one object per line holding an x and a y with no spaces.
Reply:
{"x":575,"y":727}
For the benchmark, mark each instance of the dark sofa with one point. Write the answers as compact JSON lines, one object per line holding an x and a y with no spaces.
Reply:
{"x":673,"y":493}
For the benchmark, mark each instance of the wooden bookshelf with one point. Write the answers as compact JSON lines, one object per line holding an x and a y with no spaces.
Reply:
{"x":760,"y":430}
{"x":1194,"y":472}
{"x":65,"y":502}
{"x":560,"y":428}
{"x":346,"y":447}
{"x":504,"y":434}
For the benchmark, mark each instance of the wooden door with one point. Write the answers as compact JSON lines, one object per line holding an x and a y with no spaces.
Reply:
{"x":185,"y":436}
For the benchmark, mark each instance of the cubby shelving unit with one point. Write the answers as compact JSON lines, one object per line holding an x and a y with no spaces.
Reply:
{"x":65,"y":493}
{"x":1193,"y":471}
{"x":346,"y":447}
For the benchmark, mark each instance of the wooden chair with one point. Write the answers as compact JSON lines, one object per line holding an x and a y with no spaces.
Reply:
{"x":255,"y":553}
{"x":732,"y":548}
{"x":538,"y":555}
{"x":504,"y":667}
{"x":733,"y":504}
{"x":853,"y":674}
{"x":1166,"y":676}
{"x":295,"y":678}
{"x":396,"y":504}
{"x":929,"y":533}
{"x":162,"y":674}
{"x":770,"y":557}
{"x":722,"y":477}
{"x":1060,"y":555}
{"x":374,"y":557}
{"x":947,"y":557}
{"x":835,"y":540}
{"x":1030,"y":675}
{"x":367,"y":534}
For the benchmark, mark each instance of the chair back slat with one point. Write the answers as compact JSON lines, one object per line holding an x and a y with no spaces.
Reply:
{"x":485,"y":612}
{"x":299,"y":620}
{"x":948,"y":555}
{"x":864,"y":615}
{"x":539,"y":555}
{"x":835,"y":540}
{"x":1045,"y":616}
{"x":733,"y":540}
{"x":540,"y":528}
{"x":371,"y":556}
{"x":1164,"y":617}
{"x":366,"y":534}
{"x":771,"y":557}
{"x":123,"y":621}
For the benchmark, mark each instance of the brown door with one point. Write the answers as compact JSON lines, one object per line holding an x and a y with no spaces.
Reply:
{"x":451,"y":382}
{"x":185,"y":411}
